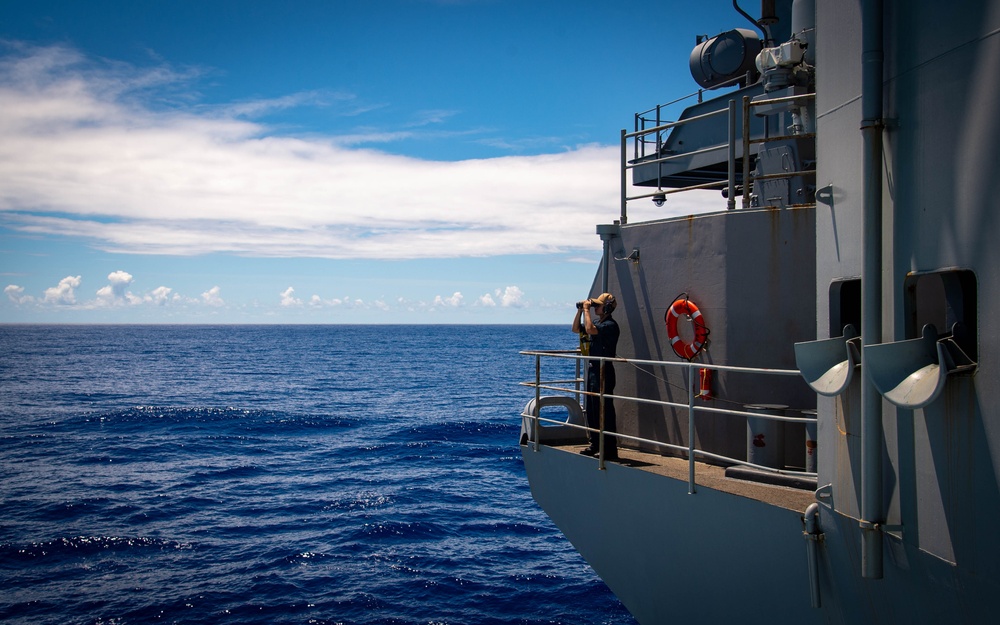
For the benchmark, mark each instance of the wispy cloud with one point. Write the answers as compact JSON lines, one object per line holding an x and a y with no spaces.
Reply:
{"x":263,"y":106}
{"x":425,"y":118}
{"x":84,"y":153}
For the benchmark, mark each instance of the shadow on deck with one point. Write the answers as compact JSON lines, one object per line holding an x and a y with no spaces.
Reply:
{"x":709,"y":476}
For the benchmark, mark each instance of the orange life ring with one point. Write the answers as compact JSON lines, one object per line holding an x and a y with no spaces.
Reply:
{"x":686,"y":350}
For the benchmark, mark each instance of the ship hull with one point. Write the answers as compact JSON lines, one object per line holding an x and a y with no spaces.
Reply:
{"x":709,"y":557}
{"x":722,"y":557}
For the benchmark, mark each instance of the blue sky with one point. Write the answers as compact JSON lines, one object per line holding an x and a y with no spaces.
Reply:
{"x":400,"y":161}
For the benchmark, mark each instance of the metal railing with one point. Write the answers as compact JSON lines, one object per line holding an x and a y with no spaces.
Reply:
{"x":640,"y":142}
{"x":693,"y":409}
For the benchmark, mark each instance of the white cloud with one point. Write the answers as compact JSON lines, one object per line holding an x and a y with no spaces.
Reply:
{"x":212,"y":298}
{"x":487,"y":300}
{"x":512,"y":297}
{"x":120,"y":280}
{"x":81,"y":156}
{"x":112,"y":294}
{"x":16,"y":294}
{"x":334,"y":302}
{"x":161,"y":295}
{"x":452,"y":302}
{"x":288,"y":298}
{"x":64,"y":293}
{"x":116,"y":292}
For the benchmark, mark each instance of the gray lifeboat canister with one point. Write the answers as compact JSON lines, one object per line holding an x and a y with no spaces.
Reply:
{"x":811,"y":449}
{"x":766,"y":437}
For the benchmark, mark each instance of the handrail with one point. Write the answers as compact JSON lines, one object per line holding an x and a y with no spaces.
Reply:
{"x":734,"y":81}
{"x":639,"y":137}
{"x":665,"y":192}
{"x":692,"y":409}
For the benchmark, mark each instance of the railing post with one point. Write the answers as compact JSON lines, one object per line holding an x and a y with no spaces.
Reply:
{"x":731,"y":195}
{"x":538,"y":396}
{"x":746,"y":151}
{"x":635,"y":144}
{"x":576,"y":376}
{"x":624,"y":164}
{"x":691,"y":487}
{"x":600,"y":454}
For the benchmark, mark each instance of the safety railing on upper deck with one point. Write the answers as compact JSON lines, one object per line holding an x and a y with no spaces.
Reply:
{"x":640,"y":138}
{"x":691,"y":451}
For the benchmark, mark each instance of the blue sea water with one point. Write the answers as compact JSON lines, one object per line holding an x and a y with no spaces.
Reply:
{"x":277,"y":474}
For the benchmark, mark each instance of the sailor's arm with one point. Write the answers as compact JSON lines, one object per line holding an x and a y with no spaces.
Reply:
{"x":577,"y":326}
{"x":587,"y":320}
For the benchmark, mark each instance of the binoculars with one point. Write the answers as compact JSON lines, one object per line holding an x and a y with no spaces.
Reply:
{"x":580,"y":304}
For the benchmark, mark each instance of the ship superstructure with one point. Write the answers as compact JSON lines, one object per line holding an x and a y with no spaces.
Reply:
{"x":822,"y":445}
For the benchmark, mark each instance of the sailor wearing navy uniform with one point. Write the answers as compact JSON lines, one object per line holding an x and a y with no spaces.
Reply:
{"x":603,"y":335}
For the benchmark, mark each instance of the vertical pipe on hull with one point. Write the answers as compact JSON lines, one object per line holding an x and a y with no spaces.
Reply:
{"x":606,"y":265}
{"x":813,"y":535}
{"x":871,"y":281}
{"x":607,"y":232}
{"x":731,"y":189}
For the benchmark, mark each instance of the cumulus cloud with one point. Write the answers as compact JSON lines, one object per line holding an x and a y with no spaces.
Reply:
{"x":82,"y":155}
{"x":16,"y":294}
{"x":212,"y":298}
{"x":288,"y":298}
{"x":161,"y":295}
{"x":511,"y":296}
{"x":119,"y":281}
{"x":116,"y":291}
{"x":487,"y":300}
{"x":334,"y":302}
{"x":64,"y":293}
{"x":452,"y":302}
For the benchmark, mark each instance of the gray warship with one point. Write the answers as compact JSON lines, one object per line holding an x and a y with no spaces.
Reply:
{"x":808,"y":383}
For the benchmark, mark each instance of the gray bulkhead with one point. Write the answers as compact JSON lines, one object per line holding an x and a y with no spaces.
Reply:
{"x":752,"y":274}
{"x":940,"y":264}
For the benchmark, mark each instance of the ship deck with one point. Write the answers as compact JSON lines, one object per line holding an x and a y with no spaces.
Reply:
{"x":709,"y":476}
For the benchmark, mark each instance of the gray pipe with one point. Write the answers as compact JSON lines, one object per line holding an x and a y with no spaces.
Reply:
{"x":763,"y":29}
{"x":731,"y":190}
{"x":607,"y":232}
{"x":605,"y":270}
{"x":813,"y":536}
{"x":871,"y":286}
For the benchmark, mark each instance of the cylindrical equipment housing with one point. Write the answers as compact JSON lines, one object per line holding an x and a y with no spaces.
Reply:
{"x":725,"y":58}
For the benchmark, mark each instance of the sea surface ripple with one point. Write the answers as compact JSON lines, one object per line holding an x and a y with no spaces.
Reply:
{"x":277,"y":474}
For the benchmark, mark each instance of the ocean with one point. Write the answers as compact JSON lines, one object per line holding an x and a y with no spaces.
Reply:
{"x":277,"y":474}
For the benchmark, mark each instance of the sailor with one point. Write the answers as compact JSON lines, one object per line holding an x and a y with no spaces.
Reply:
{"x":603,"y":335}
